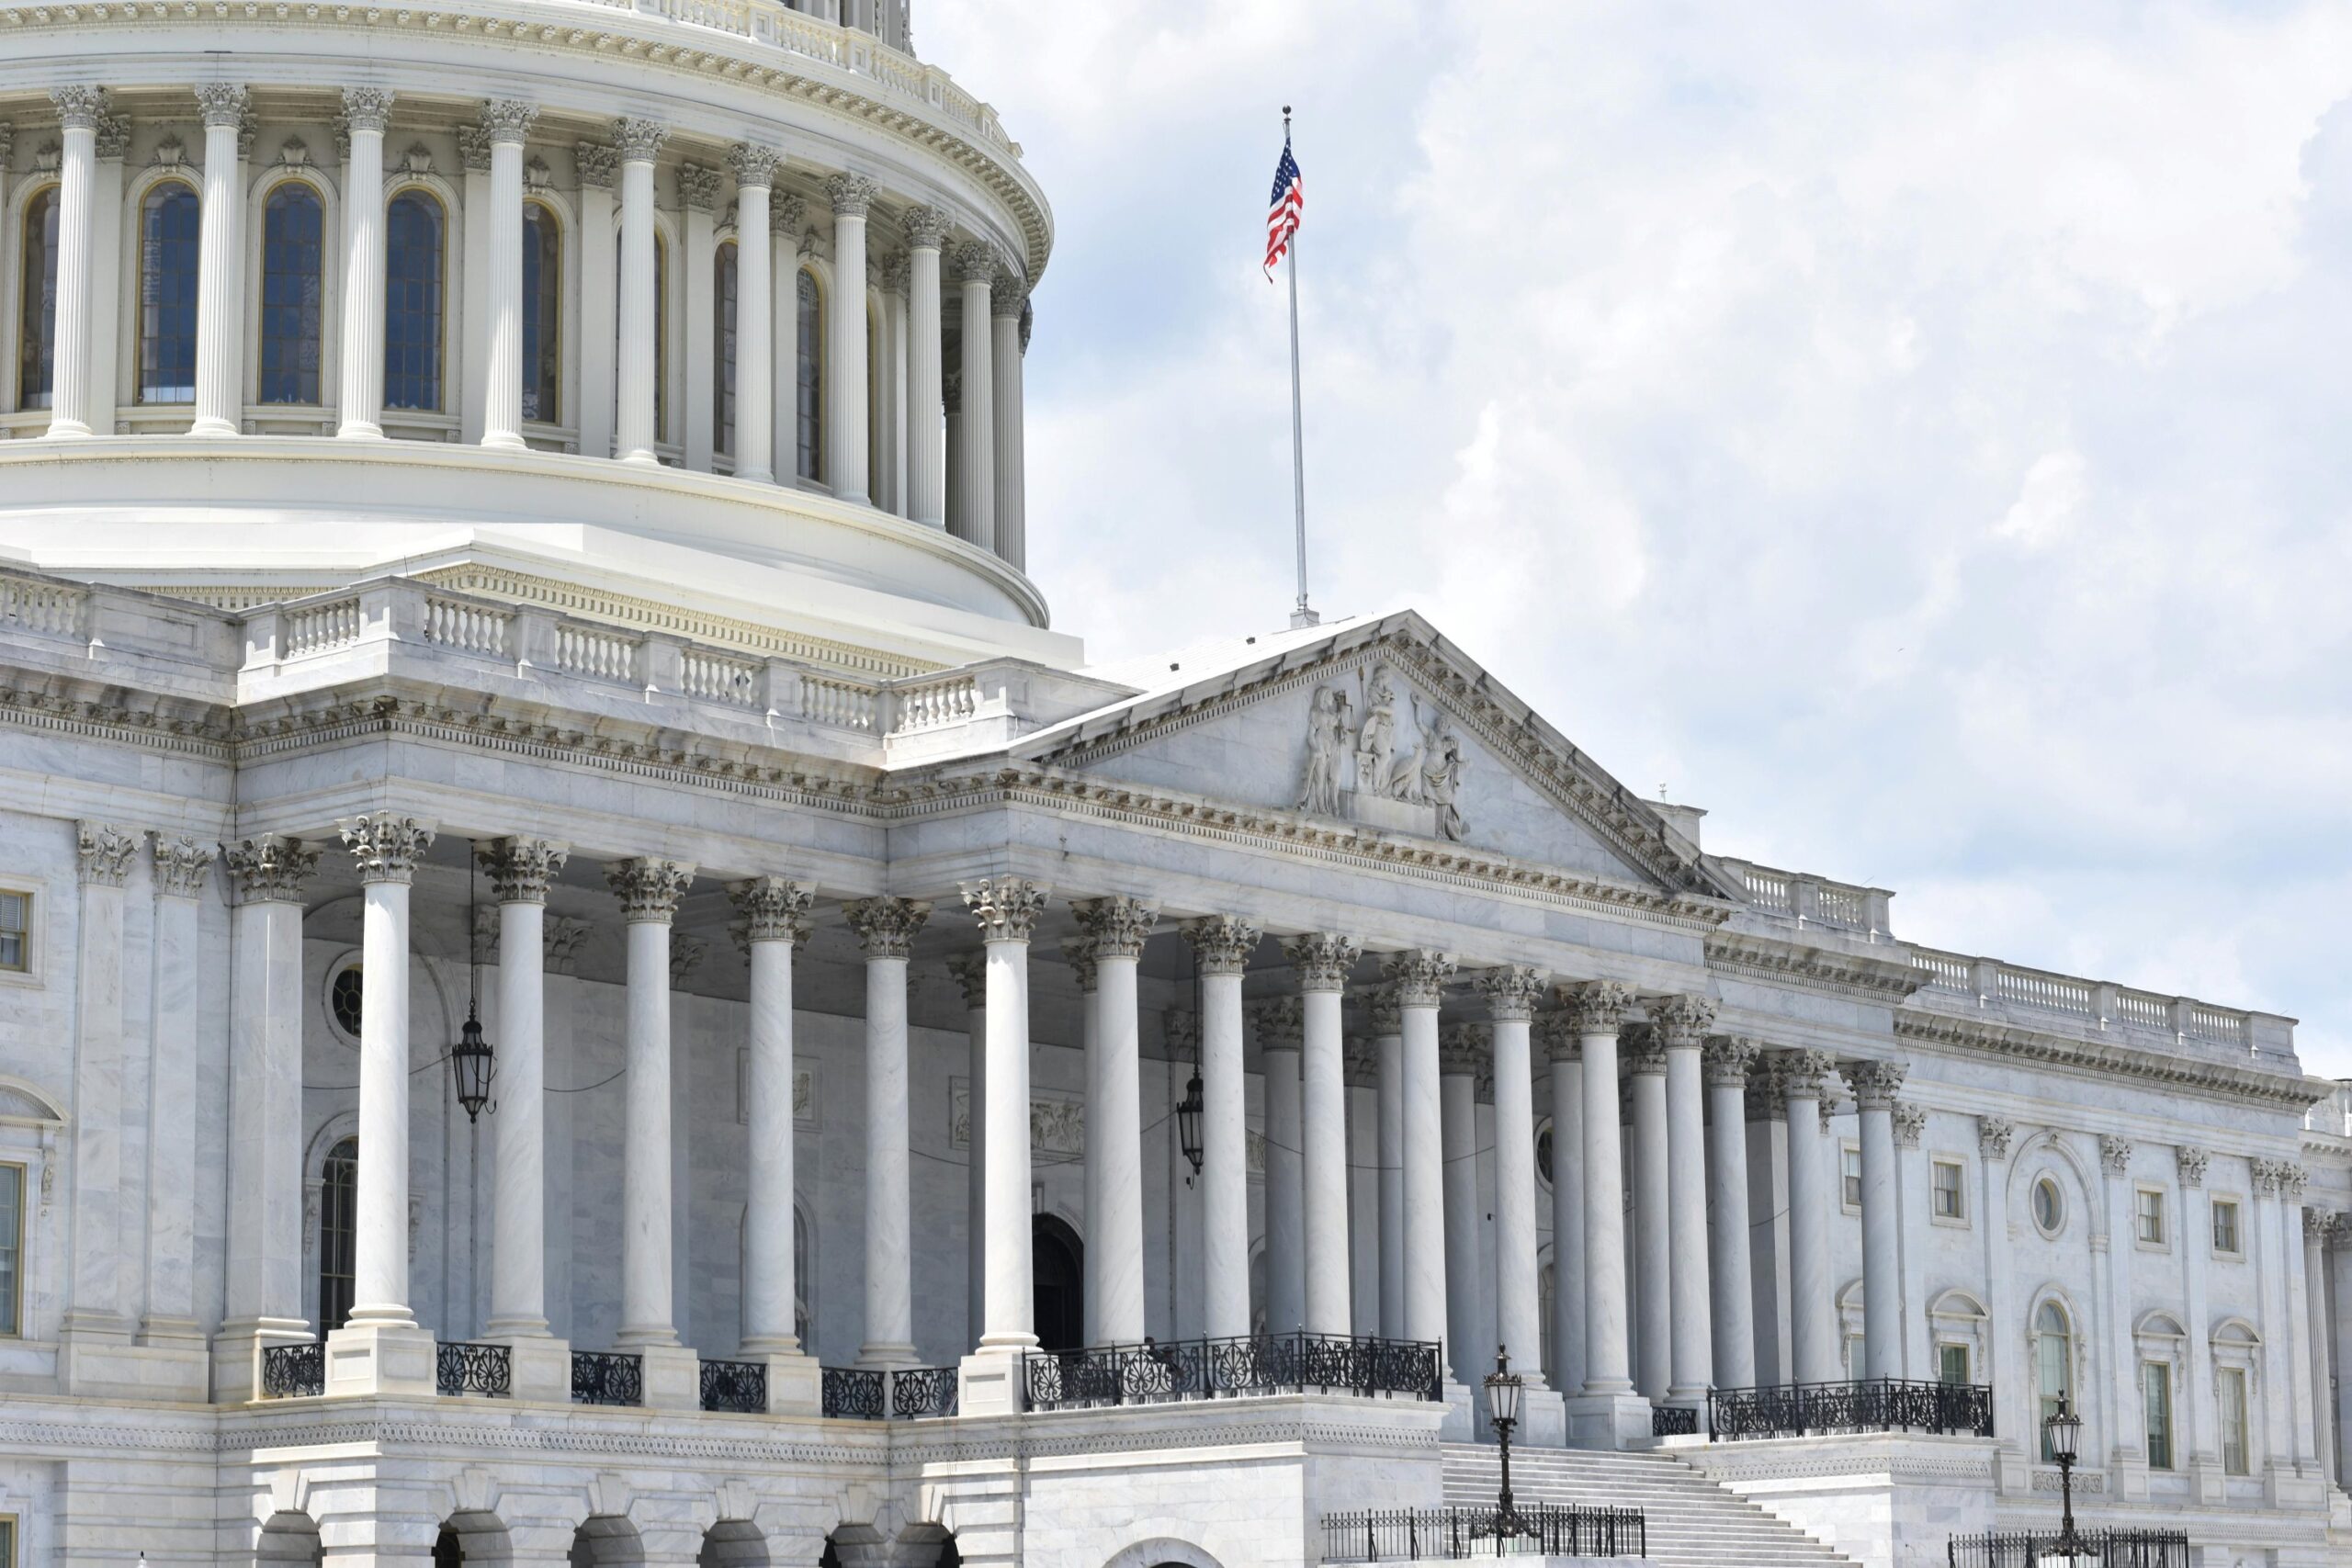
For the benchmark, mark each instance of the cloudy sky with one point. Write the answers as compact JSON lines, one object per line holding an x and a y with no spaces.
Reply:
{"x":1914,"y":434}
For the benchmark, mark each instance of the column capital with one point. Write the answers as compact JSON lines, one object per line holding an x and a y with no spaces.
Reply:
{"x":520,"y":869}
{"x":183,"y":867}
{"x":1563,"y":1041}
{"x":2319,"y":1225}
{"x":1359,"y":1064}
{"x":1875,"y":1082}
{"x":1079,"y":954}
{"x":770,"y":908}
{"x":897,"y":270}
{"x":698,"y":188}
{"x":638,"y":141}
{"x":786,"y":212}
{"x":1417,"y":975}
{"x":559,"y":937}
{"x":7,"y":139}
{"x":2190,"y":1162}
{"x":649,"y":887}
{"x":1008,"y":292}
{"x":1804,"y":1074}
{"x":221,"y":105}
{"x":597,"y":162}
{"x":1596,"y":1007}
{"x":1644,"y":1048}
{"x":1322,"y":959}
{"x":886,"y":928}
{"x":507,"y":121}
{"x":271,"y":869}
{"x":975,"y":262}
{"x":1222,"y":944}
{"x":2115,"y":1154}
{"x":1006,"y":907}
{"x":1511,"y":990}
{"x":686,"y":953}
{"x":851,"y":194}
{"x":970,"y":972}
{"x":1385,"y":1012}
{"x":1180,"y":1027}
{"x":1725,"y":1059}
{"x":1280,"y":1024}
{"x":2293,"y":1176}
{"x":926,"y":227}
{"x":2266,"y":1174}
{"x":473,"y":149}
{"x":1910,"y":1123}
{"x":79,"y":105}
{"x":1768,"y":1098}
{"x":385,"y":845}
{"x":104,"y":852}
{"x":752,"y":163}
{"x":114,"y":136}
{"x":1116,"y":926}
{"x":1463,"y":1050}
{"x":367,"y":109}
{"x":1682,"y":1021}
{"x":1995,"y":1133}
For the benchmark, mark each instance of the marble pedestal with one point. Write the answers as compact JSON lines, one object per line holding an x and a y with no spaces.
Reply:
{"x":108,"y":1364}
{"x":673,"y":1377}
{"x":381,"y":1358}
{"x":236,"y":1355}
{"x":989,"y":1383}
{"x":1461,"y":1414}
{"x":1542,"y":1418}
{"x":795,"y":1385}
{"x":1609,"y":1421}
{"x":541,"y":1366}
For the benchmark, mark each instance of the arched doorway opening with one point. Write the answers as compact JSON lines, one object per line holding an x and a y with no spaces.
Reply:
{"x":1056,"y":1283}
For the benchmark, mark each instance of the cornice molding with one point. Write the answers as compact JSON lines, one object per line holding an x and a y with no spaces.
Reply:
{"x":2282,"y":1090}
{"x":1774,"y":961}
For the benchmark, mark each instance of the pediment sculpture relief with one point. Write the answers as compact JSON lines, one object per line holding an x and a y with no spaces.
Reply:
{"x":1419,"y":769}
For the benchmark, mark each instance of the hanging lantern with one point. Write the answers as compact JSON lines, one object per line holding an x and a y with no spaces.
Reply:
{"x":474,"y":1064}
{"x":1188,"y":1125}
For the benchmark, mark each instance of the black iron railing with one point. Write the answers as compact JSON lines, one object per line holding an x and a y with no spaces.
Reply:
{"x":607,"y":1377}
{"x":1157,"y":1372}
{"x":854,"y":1393}
{"x":290,"y":1371}
{"x":919,"y":1392}
{"x":2109,"y":1548}
{"x":1876,"y":1404}
{"x":1407,"y":1534}
{"x":738,"y":1386}
{"x":459,"y":1368}
{"x":1674,"y":1420}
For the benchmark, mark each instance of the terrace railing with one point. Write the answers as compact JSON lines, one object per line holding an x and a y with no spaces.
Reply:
{"x":1405,"y":1535}
{"x":1160,"y":1371}
{"x":1874,"y":1404}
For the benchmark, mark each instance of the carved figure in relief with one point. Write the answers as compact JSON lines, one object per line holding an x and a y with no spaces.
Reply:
{"x":1441,"y":781}
{"x":1376,"y":744}
{"x":1326,"y":747}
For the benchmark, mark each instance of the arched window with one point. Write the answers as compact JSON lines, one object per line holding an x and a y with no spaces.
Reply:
{"x":37,"y":305}
{"x":168,"y":221}
{"x":808,"y":373}
{"x":723,"y":277}
{"x":292,"y":270}
{"x":415,"y":231}
{"x":542,"y":314}
{"x":338,"y":1193}
{"x":2053,"y":1365}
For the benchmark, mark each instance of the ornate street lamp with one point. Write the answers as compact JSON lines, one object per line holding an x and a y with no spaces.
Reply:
{"x":2063,"y":1431}
{"x":1188,"y":1123}
{"x":472,"y":1059}
{"x":1503,"y":1389}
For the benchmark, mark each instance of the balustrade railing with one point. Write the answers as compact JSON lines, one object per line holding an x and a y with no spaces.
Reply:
{"x":917,"y":1392}
{"x":1541,"y":1529}
{"x":607,"y":1377}
{"x":1159,"y":1371}
{"x":50,"y":609}
{"x":853,"y":1393}
{"x":1873,"y":1404}
{"x":292,"y":1372}
{"x":905,"y":1394}
{"x":459,"y":1368}
{"x":466,"y":626}
{"x":2032,"y":1549}
{"x":738,"y":1386}
{"x":1674,"y":1420}
{"x":316,"y":629}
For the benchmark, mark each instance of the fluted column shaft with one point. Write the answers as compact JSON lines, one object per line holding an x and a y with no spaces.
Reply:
{"x":1416,"y":976}
{"x":1459,"y":1046}
{"x":93,"y":1296}
{"x":649,"y":890}
{"x":886,"y":929}
{"x":2320,"y":1333}
{"x":1223,"y":946}
{"x":77,"y":172}
{"x":386,"y":849}
{"x":1510,"y":1000}
{"x":846,"y":408}
{"x":636,"y":433}
{"x":1653,"y":1226}
{"x":1567,"y":1205}
{"x":183,"y":876}
{"x":1285,"y":1237}
{"x":507,"y":123}
{"x":1729,"y":1272}
{"x":1875,"y":1085}
{"x":262,"y":1282}
{"x":520,"y":870}
{"x":1813,"y":1316}
{"x":1004,"y":354}
{"x":773,"y":911}
{"x":1323,"y":962}
{"x":221,"y":265}
{"x":1597,"y":1009}
{"x":1389,"y":1043}
{"x":1007,"y":908}
{"x":754,"y":315}
{"x":971,"y":973}
{"x":926,"y":458}
{"x":367,"y":112}
{"x":1682,"y":1023}
{"x":1116,"y":929}
{"x":976,"y":450}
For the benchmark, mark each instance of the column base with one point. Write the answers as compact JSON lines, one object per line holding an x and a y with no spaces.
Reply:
{"x":2206,"y":1484}
{"x":2012,"y":1477}
{"x":540,"y":1365}
{"x":672,"y":1378}
{"x":212,"y":427}
{"x":988,"y":1382}
{"x":1542,"y":1418}
{"x":796,"y":1385}
{"x":366,"y":1359}
{"x":98,"y":1359}
{"x":171,"y":1334}
{"x":1609,"y":1421}
{"x":1460,"y":1413}
{"x":886,"y":1358}
{"x":236,"y":1354}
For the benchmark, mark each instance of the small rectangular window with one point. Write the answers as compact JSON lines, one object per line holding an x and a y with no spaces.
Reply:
{"x":2233,"y":1425}
{"x":7,"y":1541}
{"x":1857,"y":1359}
{"x":1952,"y":1363}
{"x":2225,"y":1226}
{"x":2155,"y":1392}
{"x":2152,"y":1218}
{"x":12,"y":1253}
{"x":15,"y":933}
{"x":1951,"y":1202}
{"x":1850,"y":1165}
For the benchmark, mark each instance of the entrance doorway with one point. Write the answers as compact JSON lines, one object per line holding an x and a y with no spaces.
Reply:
{"x":1057,"y":1283}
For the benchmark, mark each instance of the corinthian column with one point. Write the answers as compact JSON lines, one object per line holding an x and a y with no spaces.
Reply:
{"x":367,"y":111}
{"x":221,"y":265}
{"x":182,"y":877}
{"x":639,"y":143}
{"x":1006,"y":909}
{"x":94,"y":1311}
{"x":926,"y":458}
{"x":970,"y":971}
{"x":1511,"y":993}
{"x":1278,"y":1022}
{"x":1653,"y":1257}
{"x":1607,"y":1415}
{"x":1682,"y":1023}
{"x":886,"y":929}
{"x":1875,"y":1085}
{"x":1115,"y":930}
{"x":79,"y":108}
{"x":754,"y":169}
{"x":1813,"y":1316}
{"x":1388,"y":1049}
{"x":976,"y":456}
{"x":1564,"y":1047}
{"x":649,"y":891}
{"x":1729,"y":1274}
{"x":1461,"y":1057}
{"x":506,"y":123}
{"x":1008,"y":296}
{"x":1323,"y":960}
{"x":1222,"y":945}
{"x":771,"y":924}
{"x":845,"y":380}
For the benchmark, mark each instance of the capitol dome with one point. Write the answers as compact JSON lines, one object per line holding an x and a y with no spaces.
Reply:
{"x":790,"y":423}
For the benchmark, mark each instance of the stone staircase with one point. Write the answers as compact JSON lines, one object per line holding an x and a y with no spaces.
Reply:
{"x":1692,"y":1521}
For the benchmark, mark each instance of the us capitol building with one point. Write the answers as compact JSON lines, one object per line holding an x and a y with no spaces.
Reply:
{"x":584,"y":977}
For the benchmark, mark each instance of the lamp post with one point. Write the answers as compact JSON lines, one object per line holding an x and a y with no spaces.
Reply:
{"x":2063,"y":1431}
{"x":1503,"y":1389}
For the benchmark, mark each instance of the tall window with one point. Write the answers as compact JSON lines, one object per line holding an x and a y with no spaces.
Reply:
{"x":2233,"y":1421}
{"x":1849,"y":1167}
{"x":808,"y":365}
{"x":339,"y":1193}
{"x":2225,"y":1227}
{"x":292,"y":273}
{"x":415,"y":233}
{"x":168,"y":221}
{"x":37,"y":309}
{"x":12,"y":1249}
{"x":2053,"y":1364}
{"x":1952,"y":1363}
{"x":723,"y":277}
{"x":1950,"y":1200}
{"x":542,"y":314}
{"x":2152,"y":1218}
{"x":2156,"y":1398}
{"x":15,"y":933}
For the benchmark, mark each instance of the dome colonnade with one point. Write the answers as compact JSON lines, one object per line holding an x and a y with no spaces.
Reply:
{"x":744,"y":301}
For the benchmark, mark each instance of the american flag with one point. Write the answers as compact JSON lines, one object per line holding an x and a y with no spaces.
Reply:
{"x":1281,"y":217}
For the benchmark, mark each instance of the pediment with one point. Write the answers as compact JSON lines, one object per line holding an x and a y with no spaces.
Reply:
{"x":1393,"y":733}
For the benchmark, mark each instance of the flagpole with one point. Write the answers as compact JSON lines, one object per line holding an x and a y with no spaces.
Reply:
{"x":1300,"y":615}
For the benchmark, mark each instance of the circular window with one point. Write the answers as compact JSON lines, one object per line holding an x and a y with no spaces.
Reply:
{"x":343,"y":999}
{"x":2048,"y":1206}
{"x":1544,"y":1153}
